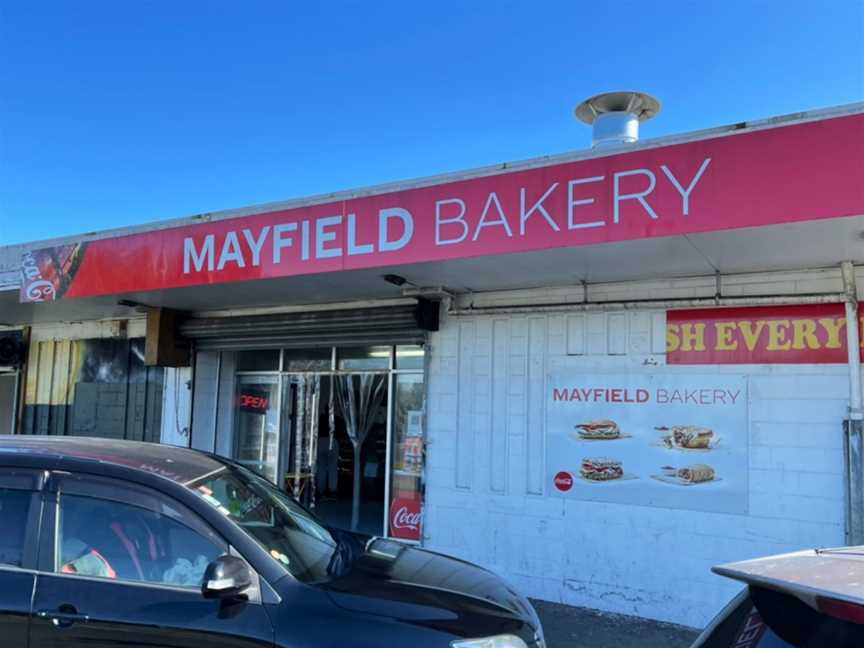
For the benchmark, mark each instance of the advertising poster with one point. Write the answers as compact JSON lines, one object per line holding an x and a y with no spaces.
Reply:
{"x":794,"y":334}
{"x":673,"y":441}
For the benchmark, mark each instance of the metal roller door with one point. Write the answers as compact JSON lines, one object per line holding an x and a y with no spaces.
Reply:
{"x":398,"y":324}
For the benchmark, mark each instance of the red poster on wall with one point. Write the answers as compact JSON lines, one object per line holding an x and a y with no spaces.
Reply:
{"x":807,"y":334}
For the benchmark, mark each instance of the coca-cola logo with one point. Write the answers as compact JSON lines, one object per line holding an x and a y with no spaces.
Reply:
{"x":41,"y":290}
{"x":35,"y":288}
{"x":563,"y":481}
{"x":406,"y":518}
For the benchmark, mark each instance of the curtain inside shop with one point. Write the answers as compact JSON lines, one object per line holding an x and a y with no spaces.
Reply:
{"x":359,"y":397}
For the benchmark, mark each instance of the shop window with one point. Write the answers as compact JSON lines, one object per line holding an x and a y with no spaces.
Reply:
{"x":256,"y":424}
{"x":367,"y":358}
{"x":259,"y":360}
{"x":309,"y":359}
{"x":409,"y":357}
{"x":408,"y":457}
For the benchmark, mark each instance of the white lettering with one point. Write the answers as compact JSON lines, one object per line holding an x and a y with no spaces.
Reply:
{"x":40,"y":290}
{"x":405,"y":519}
{"x":583,"y":201}
{"x":256,"y":245}
{"x":353,"y":247}
{"x":460,"y":218}
{"x":618,"y":196}
{"x":191,"y":256}
{"x":384,"y":216}
{"x":685,"y":193}
{"x":502,"y":220}
{"x":304,"y":240}
{"x":322,"y":237}
{"x":231,"y":252}
{"x":280,"y":241}
{"x":538,"y":206}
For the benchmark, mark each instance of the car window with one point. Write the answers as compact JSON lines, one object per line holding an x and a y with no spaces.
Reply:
{"x":109,"y":539}
{"x":740,"y":625}
{"x":281,"y":526}
{"x":14,"y":510}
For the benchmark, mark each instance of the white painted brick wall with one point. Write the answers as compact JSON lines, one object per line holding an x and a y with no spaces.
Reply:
{"x":486,"y":472}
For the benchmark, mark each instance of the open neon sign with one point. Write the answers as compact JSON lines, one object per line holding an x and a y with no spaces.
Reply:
{"x":253,"y":401}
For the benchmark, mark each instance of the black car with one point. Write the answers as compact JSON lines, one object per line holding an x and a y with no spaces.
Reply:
{"x":107,"y":543}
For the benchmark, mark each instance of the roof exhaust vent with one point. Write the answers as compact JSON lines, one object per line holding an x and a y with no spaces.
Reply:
{"x":615,"y":116}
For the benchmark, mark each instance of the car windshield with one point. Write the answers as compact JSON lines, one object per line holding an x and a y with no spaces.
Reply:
{"x":280,"y":525}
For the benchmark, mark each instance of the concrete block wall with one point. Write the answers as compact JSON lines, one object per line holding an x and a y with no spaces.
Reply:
{"x":488,"y":500}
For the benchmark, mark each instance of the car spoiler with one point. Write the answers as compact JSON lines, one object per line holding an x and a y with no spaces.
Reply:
{"x":828,"y":580}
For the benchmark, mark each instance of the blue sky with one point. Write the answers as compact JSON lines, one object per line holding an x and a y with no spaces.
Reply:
{"x":116,"y":113}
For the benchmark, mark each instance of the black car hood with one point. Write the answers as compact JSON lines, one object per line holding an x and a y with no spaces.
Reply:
{"x":420,"y":587}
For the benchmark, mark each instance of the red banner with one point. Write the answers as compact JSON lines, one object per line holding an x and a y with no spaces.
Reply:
{"x":810,"y":334}
{"x":791,"y":173}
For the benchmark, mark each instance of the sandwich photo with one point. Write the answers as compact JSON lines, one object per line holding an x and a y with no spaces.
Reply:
{"x":601,"y":469}
{"x":599,"y":429}
{"x":688,"y":437}
{"x":692,"y":474}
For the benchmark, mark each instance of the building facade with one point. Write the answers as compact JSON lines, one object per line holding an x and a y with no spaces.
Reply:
{"x":598,"y":374}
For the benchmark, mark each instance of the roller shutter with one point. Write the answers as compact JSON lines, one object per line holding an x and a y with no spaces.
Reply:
{"x":399,"y":324}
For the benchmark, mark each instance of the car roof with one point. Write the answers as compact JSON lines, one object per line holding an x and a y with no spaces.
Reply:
{"x":180,"y":465}
{"x":835,"y":573}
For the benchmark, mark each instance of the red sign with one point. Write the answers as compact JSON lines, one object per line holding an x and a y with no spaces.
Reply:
{"x":807,"y":334}
{"x":791,"y":173}
{"x":563,"y":481}
{"x":253,"y":401}
{"x":406,"y":518}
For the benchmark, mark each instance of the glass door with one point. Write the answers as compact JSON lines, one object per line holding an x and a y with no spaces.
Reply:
{"x":256,"y":425}
{"x":340,"y":429}
{"x":301,"y":414}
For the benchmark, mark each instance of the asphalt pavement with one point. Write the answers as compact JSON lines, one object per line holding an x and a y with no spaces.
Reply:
{"x":569,"y":627}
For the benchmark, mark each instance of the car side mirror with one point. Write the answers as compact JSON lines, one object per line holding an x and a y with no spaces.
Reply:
{"x":226,"y":577}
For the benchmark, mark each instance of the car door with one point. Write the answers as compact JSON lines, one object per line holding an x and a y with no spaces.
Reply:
{"x":19,"y":517}
{"x":124,"y":567}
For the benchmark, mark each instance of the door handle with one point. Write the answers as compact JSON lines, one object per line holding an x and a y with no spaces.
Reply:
{"x":63,"y":619}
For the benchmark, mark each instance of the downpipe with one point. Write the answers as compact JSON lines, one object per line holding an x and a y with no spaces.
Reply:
{"x":853,"y":437}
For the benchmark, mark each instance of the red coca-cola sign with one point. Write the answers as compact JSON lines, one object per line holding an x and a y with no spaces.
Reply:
{"x":406,"y":518}
{"x":563,"y":481}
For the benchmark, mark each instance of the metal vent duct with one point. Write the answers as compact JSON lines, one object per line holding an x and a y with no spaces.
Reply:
{"x":615,"y":116}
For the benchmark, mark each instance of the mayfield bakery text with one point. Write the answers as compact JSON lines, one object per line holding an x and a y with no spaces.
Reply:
{"x":593,"y":357}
